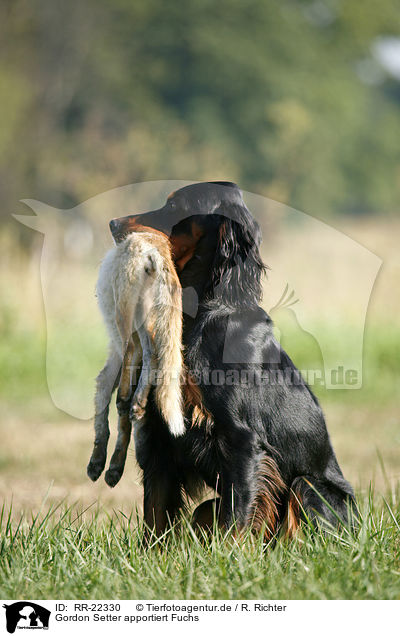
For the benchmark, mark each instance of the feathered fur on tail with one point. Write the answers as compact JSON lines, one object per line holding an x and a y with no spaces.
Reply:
{"x":168,"y":349}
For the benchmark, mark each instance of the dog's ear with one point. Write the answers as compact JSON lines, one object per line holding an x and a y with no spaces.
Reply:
{"x":237,"y":268}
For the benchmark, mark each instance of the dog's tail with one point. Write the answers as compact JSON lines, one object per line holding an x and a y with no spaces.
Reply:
{"x":168,"y":346}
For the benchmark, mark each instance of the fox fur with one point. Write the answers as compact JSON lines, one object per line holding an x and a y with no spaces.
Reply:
{"x":140,"y":297}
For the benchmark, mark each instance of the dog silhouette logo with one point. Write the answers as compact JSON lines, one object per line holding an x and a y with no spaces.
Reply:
{"x":333,"y":277}
{"x":26,"y":615}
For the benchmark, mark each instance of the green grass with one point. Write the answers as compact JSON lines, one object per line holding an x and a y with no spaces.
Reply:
{"x":69,"y":555}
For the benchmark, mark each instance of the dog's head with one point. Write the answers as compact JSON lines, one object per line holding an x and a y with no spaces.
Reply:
{"x":215,"y":240}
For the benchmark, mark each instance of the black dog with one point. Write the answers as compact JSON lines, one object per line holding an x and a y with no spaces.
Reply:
{"x":261,"y":442}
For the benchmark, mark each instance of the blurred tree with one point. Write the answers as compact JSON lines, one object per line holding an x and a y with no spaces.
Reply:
{"x":288,"y":98}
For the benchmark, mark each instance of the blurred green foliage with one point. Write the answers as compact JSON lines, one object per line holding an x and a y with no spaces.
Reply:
{"x":286,"y":97}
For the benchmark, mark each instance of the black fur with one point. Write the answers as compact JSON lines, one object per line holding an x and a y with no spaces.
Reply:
{"x":274,"y":417}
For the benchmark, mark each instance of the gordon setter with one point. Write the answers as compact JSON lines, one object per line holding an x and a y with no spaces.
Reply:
{"x":259,"y":438}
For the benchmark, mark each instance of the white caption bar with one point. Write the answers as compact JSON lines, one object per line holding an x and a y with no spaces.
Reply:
{"x":126,"y":617}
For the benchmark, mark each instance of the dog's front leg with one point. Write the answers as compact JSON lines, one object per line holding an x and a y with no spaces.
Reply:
{"x":237,"y":480}
{"x":162,"y":501}
{"x":235,"y":501}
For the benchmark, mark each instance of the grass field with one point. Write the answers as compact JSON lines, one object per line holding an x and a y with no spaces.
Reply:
{"x":89,"y":544}
{"x":64,"y":556}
